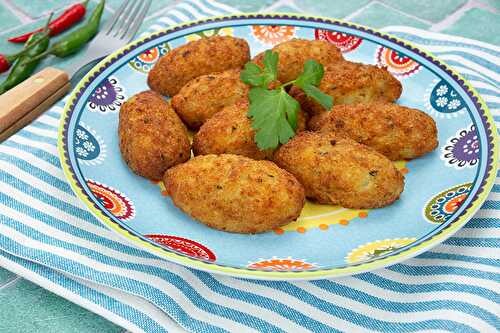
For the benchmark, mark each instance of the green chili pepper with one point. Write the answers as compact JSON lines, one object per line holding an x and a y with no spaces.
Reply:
{"x":76,"y":39}
{"x":24,"y":66}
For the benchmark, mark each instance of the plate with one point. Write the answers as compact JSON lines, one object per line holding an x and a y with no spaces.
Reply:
{"x":443,"y":189}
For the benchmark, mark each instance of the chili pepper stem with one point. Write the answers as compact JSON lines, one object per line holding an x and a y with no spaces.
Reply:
{"x":40,"y":56}
{"x":28,"y":47}
{"x":12,"y":57}
{"x":46,"y":28}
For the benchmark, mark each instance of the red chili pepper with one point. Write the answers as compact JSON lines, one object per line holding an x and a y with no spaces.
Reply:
{"x":67,"y":19}
{"x":4,"y":63}
{"x":7,"y":60}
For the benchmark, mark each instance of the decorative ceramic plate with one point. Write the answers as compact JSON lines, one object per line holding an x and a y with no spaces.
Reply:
{"x":443,"y":189}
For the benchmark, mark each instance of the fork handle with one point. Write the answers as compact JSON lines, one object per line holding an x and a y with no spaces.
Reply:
{"x":30,"y":98}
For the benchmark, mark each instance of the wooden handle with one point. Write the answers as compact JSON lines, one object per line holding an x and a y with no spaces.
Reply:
{"x":30,"y":116}
{"x":31,"y":96}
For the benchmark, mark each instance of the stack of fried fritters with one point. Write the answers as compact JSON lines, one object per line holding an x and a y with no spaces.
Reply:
{"x":341,"y":156}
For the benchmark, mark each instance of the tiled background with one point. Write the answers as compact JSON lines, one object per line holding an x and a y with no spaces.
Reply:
{"x":25,"y":307}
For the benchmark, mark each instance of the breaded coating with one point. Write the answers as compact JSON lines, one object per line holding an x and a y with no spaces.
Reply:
{"x":203,"y":56}
{"x":393,"y":130}
{"x":349,"y":83}
{"x":340,"y":171}
{"x":230,"y":132}
{"x":235,"y":193}
{"x":295,"y":52}
{"x":206,"y":95}
{"x":152,"y":137}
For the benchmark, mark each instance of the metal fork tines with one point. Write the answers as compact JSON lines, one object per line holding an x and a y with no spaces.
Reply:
{"x":116,"y":32}
{"x":127,"y":19}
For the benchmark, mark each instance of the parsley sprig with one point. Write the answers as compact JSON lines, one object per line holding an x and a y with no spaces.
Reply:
{"x":273,"y":111}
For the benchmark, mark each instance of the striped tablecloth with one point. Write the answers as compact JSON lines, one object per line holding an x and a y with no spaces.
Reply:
{"x":48,"y":237}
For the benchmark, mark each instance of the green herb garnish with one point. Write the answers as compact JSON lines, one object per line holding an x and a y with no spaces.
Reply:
{"x":273,"y":111}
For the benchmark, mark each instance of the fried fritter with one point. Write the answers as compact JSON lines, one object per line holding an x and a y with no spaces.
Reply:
{"x":206,"y":95}
{"x":340,"y":171}
{"x":393,"y":130}
{"x":350,"y":82}
{"x":235,"y":193}
{"x":200,"y":57}
{"x":152,"y":137}
{"x":230,"y":132}
{"x":295,"y":52}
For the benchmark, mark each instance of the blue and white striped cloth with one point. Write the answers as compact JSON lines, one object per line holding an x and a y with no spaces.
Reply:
{"x":48,"y":237}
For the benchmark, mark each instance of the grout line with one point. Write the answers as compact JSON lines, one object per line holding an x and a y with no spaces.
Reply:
{"x":453,"y":17}
{"x":270,"y":8}
{"x":279,"y":3}
{"x":18,"y":12}
{"x":45,"y":15}
{"x":10,"y":282}
{"x":162,"y":11}
{"x":107,"y":7}
{"x":291,"y":3}
{"x":46,"y":12}
{"x":403,"y":13}
{"x":485,"y":6}
{"x":358,"y":11}
{"x":6,"y":31}
{"x":54,"y":317}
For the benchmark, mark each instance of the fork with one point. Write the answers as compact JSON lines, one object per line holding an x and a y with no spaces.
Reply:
{"x":25,"y":102}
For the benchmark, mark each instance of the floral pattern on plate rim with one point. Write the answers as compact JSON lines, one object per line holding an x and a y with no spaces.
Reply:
{"x":108,"y":97}
{"x":462,"y":150}
{"x":89,"y":147}
{"x":442,"y":205}
{"x":113,"y":200}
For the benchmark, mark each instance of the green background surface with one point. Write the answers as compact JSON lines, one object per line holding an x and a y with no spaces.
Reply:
{"x":26,"y":307}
